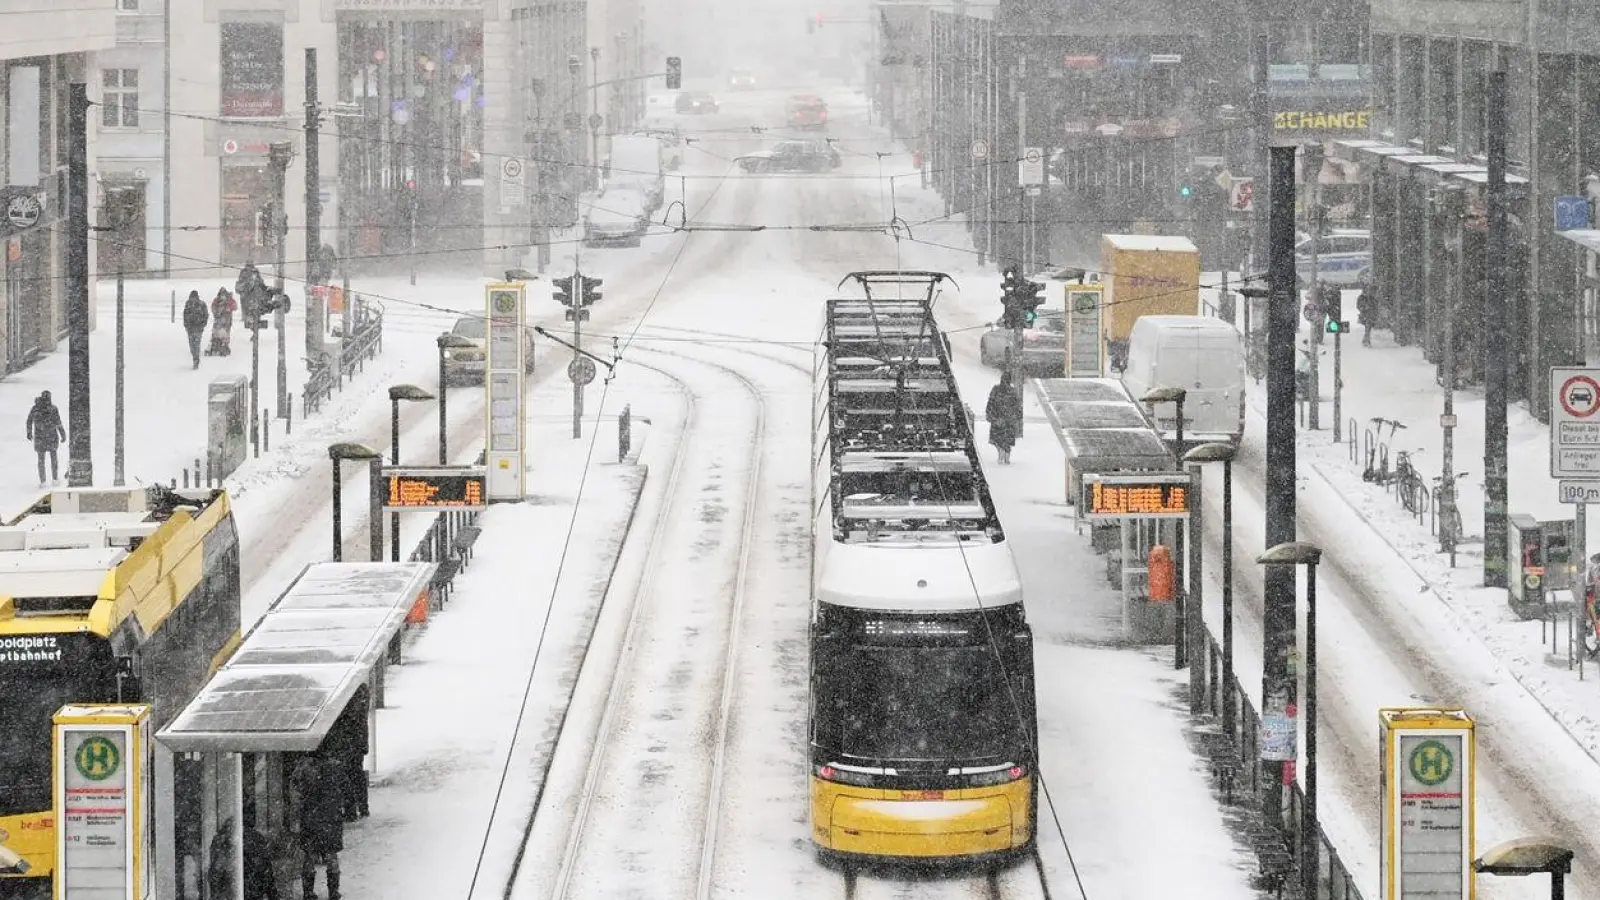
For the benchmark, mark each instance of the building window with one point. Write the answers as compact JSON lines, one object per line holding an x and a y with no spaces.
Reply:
{"x":127,"y":5}
{"x":119,"y":98}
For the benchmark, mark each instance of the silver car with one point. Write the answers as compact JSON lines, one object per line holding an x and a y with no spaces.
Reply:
{"x":467,"y":364}
{"x":1044,"y":345}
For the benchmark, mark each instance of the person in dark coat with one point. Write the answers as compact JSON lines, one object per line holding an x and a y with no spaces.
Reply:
{"x":194,"y":324}
{"x":322,"y":791}
{"x":260,"y":881}
{"x":219,"y":873}
{"x":47,"y":433}
{"x":347,"y":743}
{"x":1367,"y":313}
{"x":222,"y":307}
{"x":1004,"y":413}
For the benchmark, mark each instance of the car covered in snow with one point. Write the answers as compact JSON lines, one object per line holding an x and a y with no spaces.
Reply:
{"x":695,"y":103}
{"x":466,"y":364}
{"x":617,"y":217}
{"x":1044,"y":344}
{"x":792,"y":156}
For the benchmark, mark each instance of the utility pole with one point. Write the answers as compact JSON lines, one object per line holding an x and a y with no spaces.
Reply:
{"x":313,"y":170}
{"x":279,"y":155}
{"x":118,"y":456}
{"x":1313,"y":170}
{"x":1494,"y":343}
{"x":594,"y":114}
{"x":1278,"y":633}
{"x":80,"y":462}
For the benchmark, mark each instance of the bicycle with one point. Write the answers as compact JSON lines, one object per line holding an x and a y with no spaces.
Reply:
{"x":1449,"y":515}
{"x":1377,"y":471}
{"x":1408,"y":483}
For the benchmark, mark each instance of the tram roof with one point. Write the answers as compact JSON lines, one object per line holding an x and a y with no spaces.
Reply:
{"x":301,"y":663}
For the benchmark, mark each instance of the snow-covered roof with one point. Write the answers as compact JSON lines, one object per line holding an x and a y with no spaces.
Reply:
{"x":910,"y":578}
{"x":304,"y":659}
{"x":1167,"y":243}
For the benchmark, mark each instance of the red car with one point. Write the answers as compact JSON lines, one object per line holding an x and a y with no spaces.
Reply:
{"x":807,"y":111}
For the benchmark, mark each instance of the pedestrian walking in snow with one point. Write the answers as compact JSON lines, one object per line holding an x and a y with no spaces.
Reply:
{"x":1367,"y":313}
{"x":46,"y":432}
{"x":194,"y":324}
{"x":321,"y":788}
{"x":222,"y":307}
{"x":1004,"y":413}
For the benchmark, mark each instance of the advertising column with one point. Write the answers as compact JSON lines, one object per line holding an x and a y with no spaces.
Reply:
{"x":103,"y":842}
{"x":503,"y":382}
{"x":1429,"y":793}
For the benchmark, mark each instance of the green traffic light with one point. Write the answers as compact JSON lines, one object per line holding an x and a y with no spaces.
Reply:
{"x":1030,"y":316}
{"x":1186,"y":191}
{"x":1335,"y":326}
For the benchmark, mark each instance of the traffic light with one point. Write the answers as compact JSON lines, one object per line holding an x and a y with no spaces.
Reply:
{"x":563,"y":292}
{"x":591,"y":290}
{"x":1333,"y":308}
{"x":1186,"y":191}
{"x":1028,"y":300}
{"x":255,"y":318}
{"x":674,"y":73}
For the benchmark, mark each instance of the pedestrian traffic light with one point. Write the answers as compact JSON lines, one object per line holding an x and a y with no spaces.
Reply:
{"x":1028,"y":300}
{"x":563,"y":292}
{"x":591,"y":290}
{"x":674,"y":73}
{"x":1333,"y":308}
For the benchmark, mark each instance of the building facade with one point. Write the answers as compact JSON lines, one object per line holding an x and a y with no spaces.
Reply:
{"x":131,"y":152}
{"x":44,"y":48}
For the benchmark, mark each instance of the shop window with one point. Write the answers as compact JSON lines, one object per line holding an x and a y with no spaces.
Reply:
{"x":119,"y":98}
{"x":245,"y":192}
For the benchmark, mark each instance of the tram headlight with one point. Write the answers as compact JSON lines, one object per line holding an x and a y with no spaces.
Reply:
{"x":11,"y":863}
{"x":999,"y":776}
{"x":842,"y":776}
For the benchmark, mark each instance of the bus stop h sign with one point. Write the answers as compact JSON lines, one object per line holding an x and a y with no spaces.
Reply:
{"x":1575,"y":423}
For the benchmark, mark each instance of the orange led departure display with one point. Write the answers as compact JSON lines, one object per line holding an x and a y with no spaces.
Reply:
{"x":1153,"y":499}
{"x":416,"y":490}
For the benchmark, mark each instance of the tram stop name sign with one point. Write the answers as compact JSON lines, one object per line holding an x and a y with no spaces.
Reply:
{"x":1429,"y":794}
{"x":1575,"y":423}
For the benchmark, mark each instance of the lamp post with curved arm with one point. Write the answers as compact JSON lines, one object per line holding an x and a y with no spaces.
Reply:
{"x":398,"y":393}
{"x":447,"y":342}
{"x":1223,"y":453}
{"x":338,"y":454}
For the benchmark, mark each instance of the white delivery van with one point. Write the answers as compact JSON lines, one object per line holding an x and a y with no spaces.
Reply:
{"x":1202,"y":355}
{"x":636,"y":163}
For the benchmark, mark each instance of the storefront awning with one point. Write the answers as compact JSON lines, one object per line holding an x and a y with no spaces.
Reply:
{"x":297,"y":669}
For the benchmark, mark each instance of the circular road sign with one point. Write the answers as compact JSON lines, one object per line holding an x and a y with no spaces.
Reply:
{"x":512,"y":168}
{"x":230,"y":146}
{"x":1032,"y":156}
{"x":581,"y":370}
{"x":1580,"y":396}
{"x":595,"y":121}
{"x":1313,"y":311}
{"x":980,"y":149}
{"x":1431,"y":763}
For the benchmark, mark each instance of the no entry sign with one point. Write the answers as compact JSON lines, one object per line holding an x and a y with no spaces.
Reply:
{"x":1575,"y":423}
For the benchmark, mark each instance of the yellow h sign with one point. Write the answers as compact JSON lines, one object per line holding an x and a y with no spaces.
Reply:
{"x":1429,"y":795}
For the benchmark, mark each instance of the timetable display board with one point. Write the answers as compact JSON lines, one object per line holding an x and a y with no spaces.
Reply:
{"x":435,"y":488}
{"x":1152,"y":496}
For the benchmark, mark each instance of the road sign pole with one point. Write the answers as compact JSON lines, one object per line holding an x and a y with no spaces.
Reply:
{"x":577,"y":344}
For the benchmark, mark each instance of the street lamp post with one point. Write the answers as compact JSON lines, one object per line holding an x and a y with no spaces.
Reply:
{"x":1224,"y":453}
{"x":338,"y":453}
{"x":397,"y":393}
{"x":447,"y":342}
{"x":1300,"y":553}
{"x":1180,"y":649}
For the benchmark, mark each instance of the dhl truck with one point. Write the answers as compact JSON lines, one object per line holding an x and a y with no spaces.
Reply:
{"x":1145,"y":275}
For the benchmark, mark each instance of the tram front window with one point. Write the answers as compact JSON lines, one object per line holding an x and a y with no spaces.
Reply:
{"x":933,"y":704}
{"x":26,"y":707}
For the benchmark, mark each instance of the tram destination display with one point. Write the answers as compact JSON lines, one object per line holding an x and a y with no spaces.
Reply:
{"x":446,"y":488}
{"x":1153,"y":496}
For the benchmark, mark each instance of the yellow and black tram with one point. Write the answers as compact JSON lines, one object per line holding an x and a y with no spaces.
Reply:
{"x":106,"y":596}
{"x":922,"y":723}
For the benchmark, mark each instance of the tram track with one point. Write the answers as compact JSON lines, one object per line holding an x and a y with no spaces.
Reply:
{"x":665,"y":631}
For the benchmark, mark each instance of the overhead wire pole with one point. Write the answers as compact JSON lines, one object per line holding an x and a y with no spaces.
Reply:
{"x":1278,"y":631}
{"x":80,"y":462}
{"x":280,"y":155}
{"x":313,"y":166}
{"x":1494,"y":343}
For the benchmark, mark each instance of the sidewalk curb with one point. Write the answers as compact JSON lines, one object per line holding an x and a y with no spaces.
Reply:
{"x":1500,"y":661}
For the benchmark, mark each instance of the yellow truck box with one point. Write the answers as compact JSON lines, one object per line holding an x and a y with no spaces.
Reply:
{"x":1145,"y":275}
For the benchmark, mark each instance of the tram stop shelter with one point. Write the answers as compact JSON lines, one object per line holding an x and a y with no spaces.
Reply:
{"x":280,"y":694}
{"x":1125,"y":484}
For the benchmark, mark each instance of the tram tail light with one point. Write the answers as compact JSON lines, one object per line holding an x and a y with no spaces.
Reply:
{"x":841,"y":776}
{"x":1001,"y":776}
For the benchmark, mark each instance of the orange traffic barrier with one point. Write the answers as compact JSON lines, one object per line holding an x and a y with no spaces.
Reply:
{"x":1161,"y":574}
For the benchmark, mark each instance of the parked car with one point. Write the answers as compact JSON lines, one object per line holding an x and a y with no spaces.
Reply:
{"x":807,"y":111}
{"x":792,"y":156}
{"x":741,"y":80}
{"x":1044,"y":346}
{"x":1344,"y":255}
{"x":696,"y":103}
{"x":618,"y":216}
{"x":466,"y":364}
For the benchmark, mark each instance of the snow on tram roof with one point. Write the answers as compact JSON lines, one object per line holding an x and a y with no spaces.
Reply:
{"x":908,"y":578}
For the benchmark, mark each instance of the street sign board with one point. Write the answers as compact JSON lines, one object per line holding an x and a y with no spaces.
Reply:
{"x":1571,"y":491}
{"x":1572,"y":212}
{"x":581,"y":370}
{"x":1242,"y":194}
{"x":1085,"y":347}
{"x":1429,"y":795}
{"x":513,"y":182}
{"x":1150,"y":496}
{"x":1030,"y":170}
{"x":101,"y":801}
{"x":980,"y":149}
{"x":1574,"y":423}
{"x":506,"y":407}
{"x":434,"y":488}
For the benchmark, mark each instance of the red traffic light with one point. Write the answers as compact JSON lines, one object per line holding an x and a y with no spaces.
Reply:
{"x":411,"y":184}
